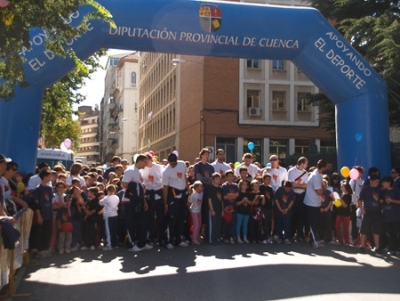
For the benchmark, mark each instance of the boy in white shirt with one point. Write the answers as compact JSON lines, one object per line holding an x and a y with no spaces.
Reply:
{"x":110,"y":203}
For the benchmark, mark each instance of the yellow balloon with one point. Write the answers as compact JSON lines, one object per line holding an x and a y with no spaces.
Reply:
{"x":8,"y":19}
{"x":337,"y":203}
{"x":345,"y":171}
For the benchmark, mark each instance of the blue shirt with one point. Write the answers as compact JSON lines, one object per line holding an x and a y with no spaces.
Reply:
{"x":43,"y":195}
{"x":391,"y":211}
{"x":370,"y":197}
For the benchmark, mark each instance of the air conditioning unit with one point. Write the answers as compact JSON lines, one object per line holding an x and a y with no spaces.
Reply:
{"x":253,"y":111}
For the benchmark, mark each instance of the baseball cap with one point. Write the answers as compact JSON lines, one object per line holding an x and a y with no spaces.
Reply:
{"x":4,"y":159}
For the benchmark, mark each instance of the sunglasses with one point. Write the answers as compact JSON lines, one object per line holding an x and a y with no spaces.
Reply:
{"x":273,"y":160}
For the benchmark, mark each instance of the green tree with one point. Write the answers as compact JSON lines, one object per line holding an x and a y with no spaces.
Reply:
{"x":16,"y":21}
{"x":57,"y":116}
{"x":373,"y":28}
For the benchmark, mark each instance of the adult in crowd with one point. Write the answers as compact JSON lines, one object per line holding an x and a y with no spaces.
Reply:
{"x":219,"y":164}
{"x":152,"y":180}
{"x":3,"y":165}
{"x":252,"y":169}
{"x":35,"y":180}
{"x":114,"y":161}
{"x":356,"y":185}
{"x":175,"y":194}
{"x":75,"y":173}
{"x":298,"y":176}
{"x":312,"y":201}
{"x":277,"y":172}
{"x":135,"y":206}
{"x":395,"y":174}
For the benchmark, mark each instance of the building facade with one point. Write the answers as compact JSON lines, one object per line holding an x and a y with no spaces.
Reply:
{"x":89,"y":144}
{"x":119,"y":108}
{"x":190,"y":102}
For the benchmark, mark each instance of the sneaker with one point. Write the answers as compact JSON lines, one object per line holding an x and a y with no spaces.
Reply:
{"x":183,"y":244}
{"x":92,"y":248}
{"x":377,"y":250}
{"x":76,"y":248}
{"x":135,"y":248}
{"x":239,"y":241}
{"x":246,"y":241}
{"x":43,"y":254}
{"x":276,"y":237}
{"x":264,"y":241}
{"x":107,"y":248}
{"x":61,"y":252}
{"x":147,"y":247}
{"x":226,"y":241}
{"x":333,"y":242}
{"x":170,"y":246}
{"x":68,"y":251}
{"x":279,"y":241}
{"x":270,"y":240}
{"x":316,"y":245}
{"x":83,"y":248}
{"x":287,"y":241}
{"x":195,"y":242}
{"x":232,"y":241}
{"x":361,"y":250}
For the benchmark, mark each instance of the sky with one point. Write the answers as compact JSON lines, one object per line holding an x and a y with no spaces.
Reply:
{"x":94,"y":87}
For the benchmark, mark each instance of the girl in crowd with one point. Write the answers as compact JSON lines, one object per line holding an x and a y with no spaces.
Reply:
{"x":343,"y":215}
{"x":195,"y":201}
{"x":243,"y":211}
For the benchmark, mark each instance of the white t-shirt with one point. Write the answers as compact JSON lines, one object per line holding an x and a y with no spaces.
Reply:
{"x":356,"y":185}
{"x":251,"y":169}
{"x":175,"y":177}
{"x":221,"y":167}
{"x":196,"y":199}
{"x":277,"y":176}
{"x":152,"y":177}
{"x":110,"y":203}
{"x":293,"y":174}
{"x":35,"y":181}
{"x":132,"y":174}
{"x":311,"y":198}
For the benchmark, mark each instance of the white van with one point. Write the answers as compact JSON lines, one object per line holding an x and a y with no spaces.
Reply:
{"x":54,"y":157}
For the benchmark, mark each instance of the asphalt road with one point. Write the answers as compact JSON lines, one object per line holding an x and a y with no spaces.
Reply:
{"x":223,"y":272}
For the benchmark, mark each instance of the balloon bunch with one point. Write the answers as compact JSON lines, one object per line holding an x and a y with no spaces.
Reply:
{"x":346,"y":172}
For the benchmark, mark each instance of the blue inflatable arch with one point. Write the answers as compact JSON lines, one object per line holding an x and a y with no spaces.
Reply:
{"x":226,"y":29}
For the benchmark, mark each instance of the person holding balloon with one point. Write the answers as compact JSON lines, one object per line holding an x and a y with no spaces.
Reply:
{"x":343,"y":213}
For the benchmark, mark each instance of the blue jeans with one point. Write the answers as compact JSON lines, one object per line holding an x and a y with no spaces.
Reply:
{"x":242,"y":218}
{"x":283,"y":225}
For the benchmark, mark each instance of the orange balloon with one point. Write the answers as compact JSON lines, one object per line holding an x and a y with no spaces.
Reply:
{"x":345,"y":171}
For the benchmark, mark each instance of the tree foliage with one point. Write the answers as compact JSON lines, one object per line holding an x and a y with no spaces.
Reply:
{"x":57,"y":115}
{"x":373,"y":28}
{"x":16,"y":21}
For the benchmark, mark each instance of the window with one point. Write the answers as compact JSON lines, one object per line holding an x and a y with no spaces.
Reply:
{"x":301,"y":146}
{"x":278,"y":101}
{"x":278,"y":147}
{"x":327,"y":146}
{"x":133,"y":79}
{"x":229,"y":146}
{"x":253,"y":98}
{"x":278,"y":65}
{"x":253,"y":63}
{"x":303,"y":104}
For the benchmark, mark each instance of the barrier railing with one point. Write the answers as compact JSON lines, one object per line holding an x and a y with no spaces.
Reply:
{"x":11,"y":260}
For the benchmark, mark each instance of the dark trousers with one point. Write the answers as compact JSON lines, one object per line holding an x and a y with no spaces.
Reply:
{"x":156,"y":217}
{"x":313,"y":215}
{"x":177,"y":210}
{"x":43,"y":234}
{"x":136,"y":223}
{"x":282,"y":223}
{"x":325,"y":226}
{"x":76,"y":233}
{"x":267,"y":223}
{"x":89,"y":234}
{"x":354,"y":230}
{"x":297,"y":217}
{"x":215,"y":226}
{"x":391,"y":230}
{"x":230,"y":227}
{"x":111,"y":228}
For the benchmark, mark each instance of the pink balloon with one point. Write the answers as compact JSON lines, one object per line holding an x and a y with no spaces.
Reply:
{"x":68,"y":143}
{"x":152,"y":153}
{"x":175,"y":152}
{"x":4,"y":3}
{"x":354,"y":174}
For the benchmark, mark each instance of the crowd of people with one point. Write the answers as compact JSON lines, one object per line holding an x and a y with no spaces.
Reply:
{"x":176,"y":203}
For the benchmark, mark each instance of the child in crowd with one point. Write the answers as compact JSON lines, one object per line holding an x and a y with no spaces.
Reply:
{"x":42,"y":207}
{"x":19,"y":178}
{"x":214,"y":197}
{"x":325,"y":218}
{"x":65,"y":227}
{"x":194,"y":202}
{"x":242,"y":211}
{"x":93,"y":220}
{"x":58,"y":202}
{"x":343,"y":215}
{"x":391,"y":215}
{"x":110,"y":203}
{"x":230,"y":193}
{"x":283,"y":199}
{"x":256,"y":219}
{"x":267,"y":207}
{"x":78,"y":215}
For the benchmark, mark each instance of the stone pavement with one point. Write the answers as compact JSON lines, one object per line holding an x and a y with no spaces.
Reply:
{"x":223,"y":272}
